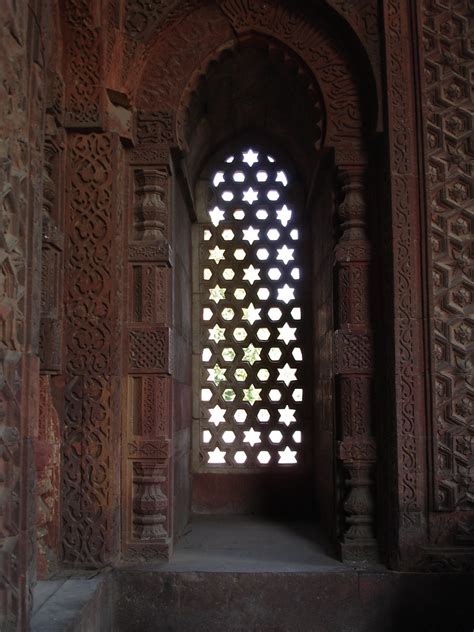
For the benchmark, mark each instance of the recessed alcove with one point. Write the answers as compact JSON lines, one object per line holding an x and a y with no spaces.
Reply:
{"x":252,"y":98}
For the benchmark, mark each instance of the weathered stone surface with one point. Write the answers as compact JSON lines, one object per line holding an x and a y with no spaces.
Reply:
{"x":21,"y":169}
{"x":314,"y":602}
{"x":108,"y":113}
{"x":448,"y":68}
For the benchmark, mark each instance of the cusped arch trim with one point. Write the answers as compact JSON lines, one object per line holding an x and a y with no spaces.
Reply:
{"x":291,"y":72}
{"x":185,"y":48}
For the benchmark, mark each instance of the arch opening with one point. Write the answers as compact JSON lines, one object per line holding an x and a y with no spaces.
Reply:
{"x":251,"y":84}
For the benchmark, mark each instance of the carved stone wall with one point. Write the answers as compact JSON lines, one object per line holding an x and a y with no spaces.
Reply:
{"x":448,"y":68}
{"x":48,"y":457}
{"x":363,"y":16}
{"x":48,"y":453}
{"x":91,"y":424}
{"x":83,"y":63}
{"x":21,"y":169}
{"x":151,"y":55}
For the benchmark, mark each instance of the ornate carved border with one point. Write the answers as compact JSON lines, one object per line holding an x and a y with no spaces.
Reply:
{"x":409,"y":469}
{"x":84,"y":55}
{"x":89,"y":466}
{"x":201,"y":35}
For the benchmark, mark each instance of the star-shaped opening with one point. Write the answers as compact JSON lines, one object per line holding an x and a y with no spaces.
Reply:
{"x":217,"y":215}
{"x":252,"y":437}
{"x":217,"y":294}
{"x":252,"y":354}
{"x":216,"y":254}
{"x":286,"y":333}
{"x":252,"y":394}
{"x":285,"y":254}
{"x":284,"y":215}
{"x":250,"y":234}
{"x":287,"y":415}
{"x":251,"y":274}
{"x":281,"y":177}
{"x":250,"y":196}
{"x":287,"y":374}
{"x":217,"y":333}
{"x":286,"y":294}
{"x":287,"y":456}
{"x":216,"y":456}
{"x":216,"y":415}
{"x":251,"y":313}
{"x":250,"y":157}
{"x":216,"y":374}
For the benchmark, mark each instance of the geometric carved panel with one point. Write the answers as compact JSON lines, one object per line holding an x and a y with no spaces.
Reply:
{"x":148,"y":350}
{"x":448,"y":68}
{"x":353,"y":352}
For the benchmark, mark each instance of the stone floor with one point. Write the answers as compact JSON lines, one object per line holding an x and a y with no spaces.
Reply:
{"x":252,"y":545}
{"x":230,"y":574}
{"x":69,"y":603}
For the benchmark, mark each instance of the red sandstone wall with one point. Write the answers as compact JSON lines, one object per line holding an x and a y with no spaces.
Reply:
{"x":88,"y":115}
{"x":21,"y":185}
{"x":447,"y":73}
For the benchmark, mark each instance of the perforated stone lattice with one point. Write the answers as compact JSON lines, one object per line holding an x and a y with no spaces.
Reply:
{"x":251,"y":315}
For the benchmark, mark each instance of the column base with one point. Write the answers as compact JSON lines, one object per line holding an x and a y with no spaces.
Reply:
{"x":362,"y":551}
{"x":159,"y":551}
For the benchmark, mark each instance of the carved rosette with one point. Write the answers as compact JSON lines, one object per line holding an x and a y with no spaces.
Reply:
{"x":353,"y":346}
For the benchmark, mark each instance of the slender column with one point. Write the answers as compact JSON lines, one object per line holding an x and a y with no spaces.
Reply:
{"x":150,"y":211}
{"x":147,"y":462}
{"x":354,"y":371}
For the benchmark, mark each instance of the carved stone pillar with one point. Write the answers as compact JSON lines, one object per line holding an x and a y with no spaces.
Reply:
{"x":354,"y":371}
{"x":90,"y":436}
{"x":147,"y":514}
